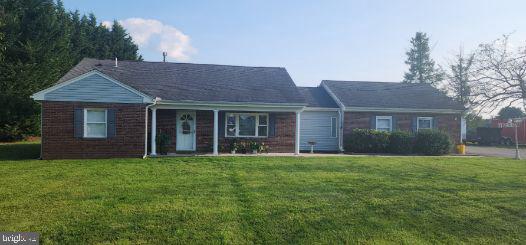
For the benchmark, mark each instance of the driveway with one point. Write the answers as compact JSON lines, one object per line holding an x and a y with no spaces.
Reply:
{"x":494,"y":151}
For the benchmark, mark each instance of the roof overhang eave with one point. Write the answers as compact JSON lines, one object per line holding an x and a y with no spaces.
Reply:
{"x":403,"y":110}
{"x":223,"y":105}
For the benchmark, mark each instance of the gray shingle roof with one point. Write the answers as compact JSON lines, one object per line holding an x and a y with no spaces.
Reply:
{"x":317,"y":97}
{"x":390,"y":95}
{"x":198,"y":82}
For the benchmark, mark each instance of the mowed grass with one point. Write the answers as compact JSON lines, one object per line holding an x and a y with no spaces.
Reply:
{"x":266,"y":200}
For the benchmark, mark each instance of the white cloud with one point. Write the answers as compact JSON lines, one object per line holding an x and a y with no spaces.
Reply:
{"x":107,"y":24}
{"x":150,"y":33}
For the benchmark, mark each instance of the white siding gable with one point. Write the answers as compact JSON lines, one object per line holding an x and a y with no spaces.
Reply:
{"x":94,"y":88}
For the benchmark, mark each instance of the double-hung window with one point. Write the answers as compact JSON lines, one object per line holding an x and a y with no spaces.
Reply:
{"x":95,"y":123}
{"x":384,"y":123}
{"x":334,"y":127}
{"x":424,"y":123}
{"x":246,"y":125}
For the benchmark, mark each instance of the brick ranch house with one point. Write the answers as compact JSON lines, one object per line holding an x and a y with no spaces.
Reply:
{"x":105,"y":108}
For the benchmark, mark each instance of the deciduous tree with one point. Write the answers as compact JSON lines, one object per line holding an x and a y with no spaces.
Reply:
{"x":500,"y":75}
{"x":460,"y":78}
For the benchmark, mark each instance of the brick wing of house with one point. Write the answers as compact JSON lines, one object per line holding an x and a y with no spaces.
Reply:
{"x":391,"y":106}
{"x":105,"y":108}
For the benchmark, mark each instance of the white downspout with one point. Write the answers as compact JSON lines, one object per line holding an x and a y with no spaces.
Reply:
{"x":341,"y":112}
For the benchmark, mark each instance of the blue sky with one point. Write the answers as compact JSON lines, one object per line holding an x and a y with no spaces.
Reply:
{"x":314,"y":40}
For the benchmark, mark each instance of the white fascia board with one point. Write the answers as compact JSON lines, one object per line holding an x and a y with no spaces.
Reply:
{"x":41,"y":94}
{"x":321,"y":109}
{"x":402,"y":110}
{"x":333,"y":96}
{"x":239,"y":106}
{"x":227,"y":103}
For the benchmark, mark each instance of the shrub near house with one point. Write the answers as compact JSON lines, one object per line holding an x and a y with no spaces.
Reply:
{"x":425,"y":142}
{"x":368,"y":141}
{"x":432,"y":142}
{"x":401,"y":142}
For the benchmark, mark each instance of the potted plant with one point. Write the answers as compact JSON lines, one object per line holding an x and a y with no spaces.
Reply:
{"x":263,"y":147}
{"x":233,"y":146}
{"x":163,"y":140}
{"x":254,"y":146}
{"x":242,"y":147}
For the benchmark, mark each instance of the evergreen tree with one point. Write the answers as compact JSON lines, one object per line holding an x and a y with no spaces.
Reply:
{"x":421,"y":66}
{"x":39,"y":42}
{"x":120,"y":40}
{"x":35,"y":46}
{"x":510,"y":113}
{"x":2,"y":44}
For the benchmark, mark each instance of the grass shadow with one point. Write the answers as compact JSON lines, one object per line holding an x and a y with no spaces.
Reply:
{"x":19,"y":151}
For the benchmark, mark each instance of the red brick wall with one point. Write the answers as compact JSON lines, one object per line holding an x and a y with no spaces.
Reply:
{"x":58,"y":139}
{"x":166,"y":123}
{"x":283,"y":141}
{"x":449,"y":123}
{"x":204,"y":130}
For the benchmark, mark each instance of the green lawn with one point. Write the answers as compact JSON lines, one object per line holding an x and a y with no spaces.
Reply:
{"x":266,"y":200}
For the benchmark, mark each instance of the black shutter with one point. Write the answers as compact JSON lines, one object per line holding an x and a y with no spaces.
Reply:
{"x":394,"y":123}
{"x":221,"y":124}
{"x":373,"y":122}
{"x":78,"y":122}
{"x":111,"y":131}
{"x":434,"y":123}
{"x":414,"y":124}
{"x":272,"y":124}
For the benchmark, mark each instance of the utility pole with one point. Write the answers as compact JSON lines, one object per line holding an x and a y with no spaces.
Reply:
{"x":164,"y":56}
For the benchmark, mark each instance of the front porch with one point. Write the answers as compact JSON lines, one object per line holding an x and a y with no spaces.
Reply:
{"x":200,"y":130}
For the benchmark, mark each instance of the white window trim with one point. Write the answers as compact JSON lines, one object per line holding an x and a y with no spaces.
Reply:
{"x":390,"y":118}
{"x":336,"y":129}
{"x":86,"y":123}
{"x":237,"y":114}
{"x":424,"y":118}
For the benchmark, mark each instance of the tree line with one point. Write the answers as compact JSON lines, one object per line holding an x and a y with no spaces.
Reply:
{"x":491,"y":77}
{"x":39,"y":42}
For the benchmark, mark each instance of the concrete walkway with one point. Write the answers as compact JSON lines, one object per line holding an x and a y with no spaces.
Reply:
{"x":302,"y":155}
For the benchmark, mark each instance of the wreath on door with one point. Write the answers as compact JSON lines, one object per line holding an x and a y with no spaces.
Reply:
{"x":185,"y":125}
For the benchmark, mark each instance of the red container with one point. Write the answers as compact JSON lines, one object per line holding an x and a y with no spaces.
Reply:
{"x":508,"y":129}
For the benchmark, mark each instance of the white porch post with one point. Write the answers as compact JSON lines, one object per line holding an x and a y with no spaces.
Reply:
{"x":297,"y":142}
{"x":216,"y":131}
{"x":154,"y":132}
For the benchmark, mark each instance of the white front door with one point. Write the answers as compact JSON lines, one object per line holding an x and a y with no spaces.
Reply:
{"x":185,"y":138}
